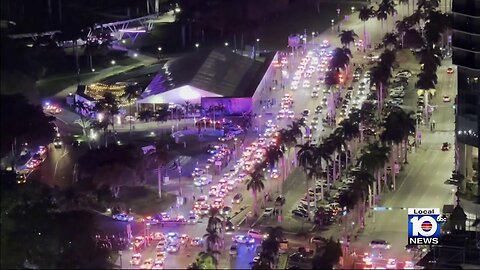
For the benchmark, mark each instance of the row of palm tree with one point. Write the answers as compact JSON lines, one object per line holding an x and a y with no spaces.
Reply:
{"x":208,"y":259}
{"x":381,"y":74}
{"x":270,"y":249}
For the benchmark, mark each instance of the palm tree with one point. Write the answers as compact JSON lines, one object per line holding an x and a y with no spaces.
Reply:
{"x":255,"y":184}
{"x":328,"y":256}
{"x":402,"y":27}
{"x":108,"y":105}
{"x":380,"y":76}
{"x":350,"y":131}
{"x":305,"y":157}
{"x":340,"y":59}
{"x":270,"y":248}
{"x":286,"y":140}
{"x":132,"y":92}
{"x":364,"y":14}
{"x":390,"y":40}
{"x":387,"y":6}
{"x":387,"y":59}
{"x":215,"y":219}
{"x":294,"y":129}
{"x":415,"y":18}
{"x":159,"y":159}
{"x":272,"y":156}
{"x":364,"y":179}
{"x":324,"y":152}
{"x":212,"y":239}
{"x":205,"y":260}
{"x":393,"y":134}
{"x":430,"y":59}
{"x":373,"y":158}
{"x":427,"y":5}
{"x":413,"y":39}
{"x":347,"y":37}
{"x":382,"y":14}
{"x":336,"y":141}
{"x":407,"y":2}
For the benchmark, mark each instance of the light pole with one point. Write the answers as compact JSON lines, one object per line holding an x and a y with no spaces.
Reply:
{"x":226,"y":44}
{"x":333,"y":23}
{"x":313,"y":38}
{"x":258,"y":47}
{"x":180,"y":180}
{"x":338,"y":18}
{"x":352,"y":9}
{"x":235,"y":148}
{"x":196,"y":46}
{"x":159,"y":49}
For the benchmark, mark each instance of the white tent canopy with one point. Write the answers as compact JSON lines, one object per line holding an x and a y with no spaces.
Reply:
{"x":178,"y":96}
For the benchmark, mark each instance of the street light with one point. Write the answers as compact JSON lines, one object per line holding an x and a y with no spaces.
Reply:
{"x":159,"y":49}
{"x":112,"y":62}
{"x":135,"y":55}
{"x":338,"y":18}
{"x":333,"y":23}
{"x":353,"y":9}
{"x":226,"y":44}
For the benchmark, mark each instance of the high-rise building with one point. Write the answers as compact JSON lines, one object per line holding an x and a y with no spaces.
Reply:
{"x":466,"y":55}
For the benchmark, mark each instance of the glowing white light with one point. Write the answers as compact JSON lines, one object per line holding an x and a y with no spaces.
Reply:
{"x":100,"y":117}
{"x":113,"y":62}
{"x":188,"y":94}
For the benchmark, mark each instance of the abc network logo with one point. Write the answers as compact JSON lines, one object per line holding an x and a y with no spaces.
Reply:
{"x":424,"y":226}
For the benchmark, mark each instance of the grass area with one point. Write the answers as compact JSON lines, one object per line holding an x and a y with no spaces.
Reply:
{"x":144,"y":200}
{"x":51,"y":86}
{"x":282,"y":261}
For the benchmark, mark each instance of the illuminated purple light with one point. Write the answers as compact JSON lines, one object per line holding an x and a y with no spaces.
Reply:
{"x":133,"y":30}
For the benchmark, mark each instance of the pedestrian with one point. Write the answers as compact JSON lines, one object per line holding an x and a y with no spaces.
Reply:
{"x":193,"y":197}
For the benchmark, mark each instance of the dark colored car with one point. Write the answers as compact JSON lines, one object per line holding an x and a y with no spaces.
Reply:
{"x":279,"y":201}
{"x":300,"y":213}
{"x":445,"y":146}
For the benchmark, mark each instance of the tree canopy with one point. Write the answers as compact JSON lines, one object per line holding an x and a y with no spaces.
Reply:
{"x":24,"y":122}
{"x":35,"y":234}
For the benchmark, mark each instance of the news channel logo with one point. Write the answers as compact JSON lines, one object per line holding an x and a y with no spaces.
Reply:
{"x":424,"y":225}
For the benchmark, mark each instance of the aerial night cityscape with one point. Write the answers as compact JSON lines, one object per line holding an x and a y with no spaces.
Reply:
{"x":240,"y":134}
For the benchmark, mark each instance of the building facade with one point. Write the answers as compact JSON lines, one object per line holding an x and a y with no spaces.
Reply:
{"x":466,"y":55}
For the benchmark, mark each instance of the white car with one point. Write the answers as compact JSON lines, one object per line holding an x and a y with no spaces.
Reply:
{"x":391,"y":264}
{"x":147,"y":264}
{"x":268,"y":212}
{"x":404,"y":74}
{"x":243,"y":239}
{"x":446,"y":98}
{"x":173,"y":248}
{"x":256,"y":234}
{"x":122,"y":217}
{"x":409,"y":265}
{"x":136,"y":258}
{"x":161,"y":246}
{"x":381,"y":244}
{"x":158,"y":264}
{"x":233,"y":250}
{"x":306,"y":84}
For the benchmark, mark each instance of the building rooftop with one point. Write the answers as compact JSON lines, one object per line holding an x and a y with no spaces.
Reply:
{"x":218,"y":71}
